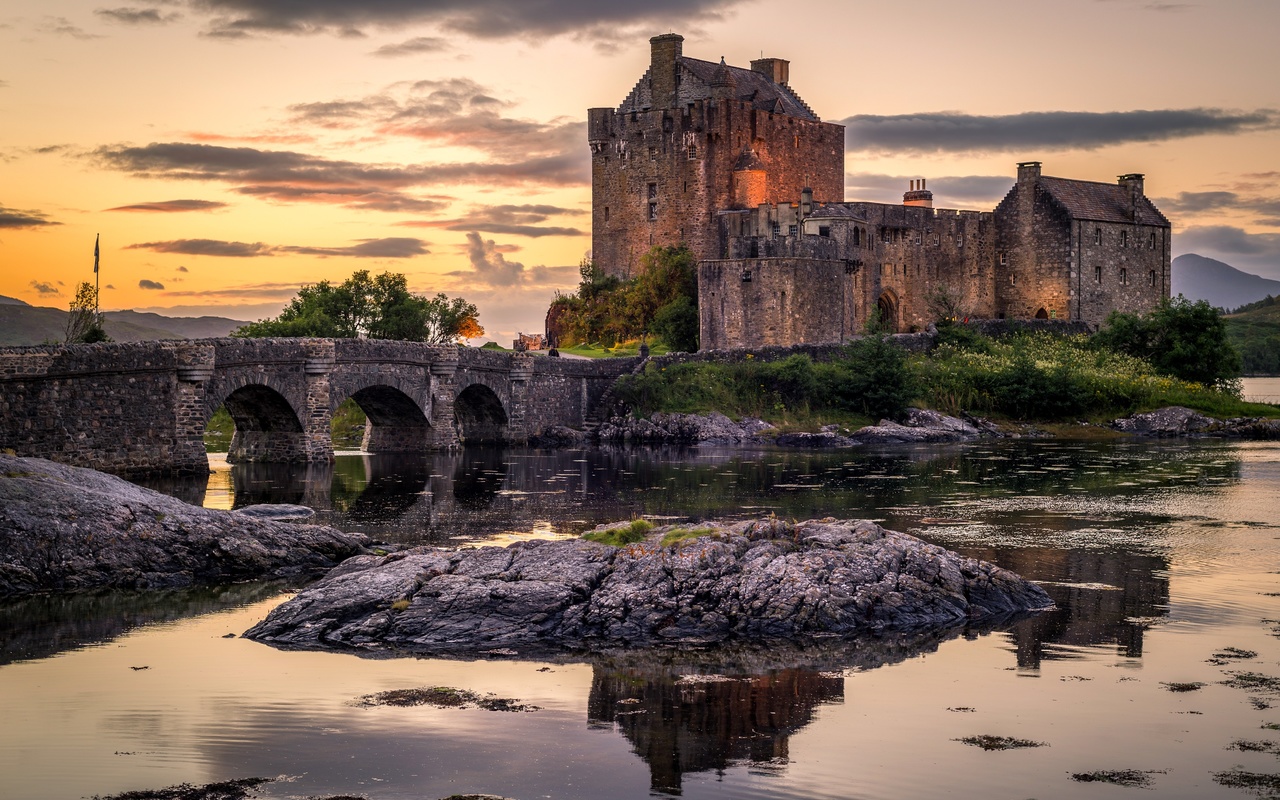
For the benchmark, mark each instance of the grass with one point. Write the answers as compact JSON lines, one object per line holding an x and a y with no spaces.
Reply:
{"x":677,"y":535}
{"x":622,"y":535}
{"x":620,"y":350}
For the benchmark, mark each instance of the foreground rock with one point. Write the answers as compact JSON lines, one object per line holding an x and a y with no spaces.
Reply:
{"x":919,"y":425}
{"x":1179,"y":421}
{"x":66,"y":528}
{"x":757,"y":581}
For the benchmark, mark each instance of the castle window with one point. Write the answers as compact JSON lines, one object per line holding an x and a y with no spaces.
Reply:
{"x":653,"y":191}
{"x":606,"y":213}
{"x":824,"y":230}
{"x":918,"y":238}
{"x":960,"y":240}
{"x":1097,"y":274}
{"x":1151,"y":242}
{"x":1124,"y":277}
{"x":1004,"y":259}
{"x":888,"y":236}
{"x":1097,"y":235}
{"x":857,"y":237}
{"x":791,"y":230}
{"x":775,"y":230}
{"x":693,"y":152}
{"x":1151,"y":277}
{"x":653,"y":211}
{"x":1124,"y":238}
{"x":1013,"y":279}
{"x":653,"y":154}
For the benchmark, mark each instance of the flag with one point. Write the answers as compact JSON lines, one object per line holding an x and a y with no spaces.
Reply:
{"x":95,"y":254}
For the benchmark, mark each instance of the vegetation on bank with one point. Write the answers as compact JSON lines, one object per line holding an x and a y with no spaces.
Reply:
{"x":1254,"y":330}
{"x":661,"y":303}
{"x":1177,"y":355}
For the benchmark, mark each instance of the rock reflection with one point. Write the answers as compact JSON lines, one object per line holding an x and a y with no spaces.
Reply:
{"x":44,"y":625}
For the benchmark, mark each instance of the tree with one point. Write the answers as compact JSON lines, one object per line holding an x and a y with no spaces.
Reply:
{"x":379,"y":307}
{"x":83,"y":324}
{"x":1179,"y":338}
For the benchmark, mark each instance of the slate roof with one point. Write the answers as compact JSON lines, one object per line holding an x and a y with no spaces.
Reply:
{"x":749,"y":87}
{"x":1101,"y":202}
{"x":837,"y":211}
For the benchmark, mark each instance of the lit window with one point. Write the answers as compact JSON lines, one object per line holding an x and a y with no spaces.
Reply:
{"x":1013,"y":279}
{"x":1004,"y":259}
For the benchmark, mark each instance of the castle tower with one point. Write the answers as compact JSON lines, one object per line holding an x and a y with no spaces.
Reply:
{"x":667,"y":160}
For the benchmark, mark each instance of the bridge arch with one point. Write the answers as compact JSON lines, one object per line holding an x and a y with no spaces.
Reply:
{"x":268,"y":427}
{"x":396,"y":422}
{"x":480,"y":415}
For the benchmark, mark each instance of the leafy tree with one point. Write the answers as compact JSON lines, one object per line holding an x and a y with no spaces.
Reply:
{"x":1179,"y":338}
{"x":84,"y":326}
{"x":676,"y":323}
{"x":378,"y":307}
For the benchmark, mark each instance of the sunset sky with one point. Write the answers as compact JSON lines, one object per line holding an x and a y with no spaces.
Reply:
{"x":228,"y":151}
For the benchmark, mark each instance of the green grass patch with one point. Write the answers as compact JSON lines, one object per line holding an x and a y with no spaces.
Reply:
{"x":619,"y":350}
{"x":677,"y":535}
{"x":623,"y":535}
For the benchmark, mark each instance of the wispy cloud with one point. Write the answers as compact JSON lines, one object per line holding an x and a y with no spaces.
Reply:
{"x":44,"y":288}
{"x":952,"y":132}
{"x":1267,"y":208}
{"x":61,"y":26}
{"x":513,"y":220}
{"x":137,"y":16}
{"x":412,"y":47}
{"x":391,"y":247}
{"x":171,"y":206}
{"x":490,"y":267}
{"x":151,"y":285}
{"x":483,"y":19}
{"x":15,"y":219}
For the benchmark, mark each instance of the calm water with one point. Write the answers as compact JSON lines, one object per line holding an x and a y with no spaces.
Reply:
{"x":1159,"y":556}
{"x":1261,"y":390}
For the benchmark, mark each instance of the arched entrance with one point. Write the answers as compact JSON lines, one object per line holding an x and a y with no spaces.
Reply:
{"x":266,"y":426}
{"x":395,"y":422}
{"x":887,"y":311}
{"x":480,"y":416}
{"x":1042,"y":313}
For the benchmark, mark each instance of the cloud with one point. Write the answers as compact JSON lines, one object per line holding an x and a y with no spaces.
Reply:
{"x":484,"y":19}
{"x":44,"y":287}
{"x":183,"y":269}
{"x":351,"y":197}
{"x":392,"y":247}
{"x":982,"y":191}
{"x":415,"y":46}
{"x":169,"y":206}
{"x":61,"y":26}
{"x":491,"y":267}
{"x":146,"y":284}
{"x":253,"y":291}
{"x":515,"y":220}
{"x":137,"y":16}
{"x":1258,"y":253}
{"x":17,"y":219}
{"x":1219,"y":202}
{"x":953,"y":132}
{"x":206,"y":247}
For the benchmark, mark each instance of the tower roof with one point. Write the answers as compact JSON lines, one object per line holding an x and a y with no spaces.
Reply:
{"x":697,"y":77}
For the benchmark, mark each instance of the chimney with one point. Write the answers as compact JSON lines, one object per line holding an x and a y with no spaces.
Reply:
{"x":1028,"y":172}
{"x":664,"y":63}
{"x":1133,"y":182}
{"x":918,"y":196}
{"x":775,"y":69}
{"x":806,"y":202}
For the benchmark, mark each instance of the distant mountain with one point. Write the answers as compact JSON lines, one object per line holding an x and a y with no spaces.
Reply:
{"x":24,"y":325}
{"x":1224,"y":286}
{"x":12,"y":301}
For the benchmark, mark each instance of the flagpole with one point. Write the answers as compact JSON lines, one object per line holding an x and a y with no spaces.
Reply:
{"x":97,"y":316}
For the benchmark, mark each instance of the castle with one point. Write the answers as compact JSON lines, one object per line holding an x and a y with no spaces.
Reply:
{"x":736,"y":165}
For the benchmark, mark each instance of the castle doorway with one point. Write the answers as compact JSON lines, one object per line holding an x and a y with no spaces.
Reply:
{"x":1042,"y":314}
{"x":887,"y":310}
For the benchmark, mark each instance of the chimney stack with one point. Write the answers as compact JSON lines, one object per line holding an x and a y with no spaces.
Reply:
{"x":1028,"y":172}
{"x":918,"y":196}
{"x":665,"y":52}
{"x":775,"y":69}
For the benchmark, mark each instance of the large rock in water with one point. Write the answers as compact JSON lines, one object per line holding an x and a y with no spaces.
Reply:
{"x":66,"y":528}
{"x":744,"y":582}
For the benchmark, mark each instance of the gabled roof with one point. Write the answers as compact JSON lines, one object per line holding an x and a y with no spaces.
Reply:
{"x":1101,"y":202}
{"x":697,"y":78}
{"x":837,"y":211}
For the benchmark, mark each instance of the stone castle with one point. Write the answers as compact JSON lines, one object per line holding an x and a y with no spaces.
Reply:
{"x":735,"y":164}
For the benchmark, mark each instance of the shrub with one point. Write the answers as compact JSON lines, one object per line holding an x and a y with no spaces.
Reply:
{"x":622,"y":535}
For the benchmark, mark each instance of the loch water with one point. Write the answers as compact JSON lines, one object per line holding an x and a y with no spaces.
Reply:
{"x":1162,"y":658}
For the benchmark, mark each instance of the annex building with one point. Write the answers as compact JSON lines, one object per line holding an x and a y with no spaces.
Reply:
{"x":733,"y":163}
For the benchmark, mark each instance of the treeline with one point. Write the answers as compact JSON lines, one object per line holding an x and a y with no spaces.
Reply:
{"x":661,"y":301}
{"x":1254,"y":330}
{"x":1177,"y":355}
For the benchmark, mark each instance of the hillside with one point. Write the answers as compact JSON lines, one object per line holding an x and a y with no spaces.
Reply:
{"x":1255,"y":332}
{"x":27,"y":325}
{"x":1198,"y":278}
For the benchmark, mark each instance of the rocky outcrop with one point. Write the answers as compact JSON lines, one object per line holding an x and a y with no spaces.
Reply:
{"x":1179,"y":421}
{"x":758,"y":581}
{"x":713,"y":428}
{"x":65,"y":528}
{"x":918,"y":425}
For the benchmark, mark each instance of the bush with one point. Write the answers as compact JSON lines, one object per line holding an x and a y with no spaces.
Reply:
{"x":1179,"y":338}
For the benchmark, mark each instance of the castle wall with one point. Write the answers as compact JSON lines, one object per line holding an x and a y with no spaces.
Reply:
{"x":756,"y":302}
{"x":1129,"y":274}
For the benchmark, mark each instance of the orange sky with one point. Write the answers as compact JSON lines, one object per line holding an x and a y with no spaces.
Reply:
{"x":228,"y":151}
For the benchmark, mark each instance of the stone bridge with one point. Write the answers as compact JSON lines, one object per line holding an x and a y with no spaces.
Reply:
{"x":141,"y":408}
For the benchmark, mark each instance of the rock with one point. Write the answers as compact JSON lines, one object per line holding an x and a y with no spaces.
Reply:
{"x":745,"y":582}
{"x":919,"y":425}
{"x":713,"y":428}
{"x":824,"y":438}
{"x":1171,"y":421}
{"x":277,"y":511}
{"x":65,"y":528}
{"x":559,"y":436}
